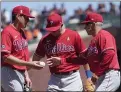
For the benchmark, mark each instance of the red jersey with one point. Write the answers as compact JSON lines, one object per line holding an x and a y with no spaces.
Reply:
{"x":69,"y":43}
{"x":14,"y":43}
{"x":102,"y":53}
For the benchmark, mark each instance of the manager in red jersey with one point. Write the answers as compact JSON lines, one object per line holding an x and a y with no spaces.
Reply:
{"x":15,"y":55}
{"x":101,"y":54}
{"x":58,"y":44}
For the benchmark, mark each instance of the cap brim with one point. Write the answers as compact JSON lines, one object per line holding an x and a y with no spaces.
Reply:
{"x":52,"y":29}
{"x":29,"y":16}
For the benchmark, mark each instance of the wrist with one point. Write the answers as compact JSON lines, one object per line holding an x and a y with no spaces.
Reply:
{"x":88,"y":73}
{"x":26,"y":74}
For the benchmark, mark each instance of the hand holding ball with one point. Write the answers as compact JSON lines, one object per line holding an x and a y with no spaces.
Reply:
{"x":42,"y":64}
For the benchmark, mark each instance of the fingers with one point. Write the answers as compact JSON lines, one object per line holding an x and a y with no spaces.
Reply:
{"x":50,"y":59}
{"x":30,"y":84}
{"x":50,"y":63}
{"x":42,"y":64}
{"x":53,"y":58}
{"x":37,"y":66}
{"x":27,"y":84}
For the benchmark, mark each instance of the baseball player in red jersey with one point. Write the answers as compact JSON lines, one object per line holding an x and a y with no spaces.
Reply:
{"x":101,"y":54}
{"x":14,"y":50}
{"x":58,"y":44}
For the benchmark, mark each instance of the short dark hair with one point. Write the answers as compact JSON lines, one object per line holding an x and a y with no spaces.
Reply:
{"x":13,"y":17}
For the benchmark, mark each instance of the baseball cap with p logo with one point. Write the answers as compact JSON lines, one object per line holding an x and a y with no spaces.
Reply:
{"x":93,"y":17}
{"x":22,"y":10}
{"x":54,"y":22}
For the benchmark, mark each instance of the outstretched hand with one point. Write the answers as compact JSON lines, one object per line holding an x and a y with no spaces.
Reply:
{"x":35,"y":65}
{"x":54,"y":61}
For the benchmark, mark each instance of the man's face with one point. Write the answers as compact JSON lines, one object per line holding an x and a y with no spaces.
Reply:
{"x":89,"y":27}
{"x":23,"y":20}
{"x":56,"y":33}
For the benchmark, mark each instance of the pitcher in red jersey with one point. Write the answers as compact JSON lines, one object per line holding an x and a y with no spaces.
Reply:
{"x":58,"y":44}
{"x":15,"y":55}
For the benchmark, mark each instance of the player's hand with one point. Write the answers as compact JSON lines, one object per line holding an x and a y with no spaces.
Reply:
{"x":94,"y":78}
{"x":54,"y":61}
{"x":35,"y":65}
{"x":28,"y":82}
{"x":91,"y":82}
{"x":89,"y":86}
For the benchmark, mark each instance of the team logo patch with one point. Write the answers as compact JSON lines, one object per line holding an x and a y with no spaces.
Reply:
{"x":68,"y":39}
{"x":51,"y":22}
{"x":92,"y":50}
{"x":21,"y":11}
{"x":3,"y":46}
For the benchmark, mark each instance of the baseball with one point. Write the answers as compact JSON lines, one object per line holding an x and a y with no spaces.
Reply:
{"x":42,"y":63}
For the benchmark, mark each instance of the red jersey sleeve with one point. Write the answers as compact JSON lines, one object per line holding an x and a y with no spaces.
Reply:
{"x":40,"y":51}
{"x":79,"y":44}
{"x":108,"y":52}
{"x":106,"y":43}
{"x":6,"y":43}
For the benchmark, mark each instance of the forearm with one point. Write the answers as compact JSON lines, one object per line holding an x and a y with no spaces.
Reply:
{"x":75,"y":60}
{"x":87,"y":70}
{"x":14,"y":61}
{"x":26,"y":74}
{"x":86,"y":66}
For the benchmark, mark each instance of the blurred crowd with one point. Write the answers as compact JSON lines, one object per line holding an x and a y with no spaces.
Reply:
{"x":36,"y":27}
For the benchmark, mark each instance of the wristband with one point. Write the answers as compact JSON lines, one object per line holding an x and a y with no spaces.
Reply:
{"x":88,"y":73}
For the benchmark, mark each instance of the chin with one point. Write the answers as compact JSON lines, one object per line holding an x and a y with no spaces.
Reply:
{"x":89,"y":34}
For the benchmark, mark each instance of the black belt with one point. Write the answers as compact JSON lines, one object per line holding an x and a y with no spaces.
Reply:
{"x":65,"y":73}
{"x":112,"y":69}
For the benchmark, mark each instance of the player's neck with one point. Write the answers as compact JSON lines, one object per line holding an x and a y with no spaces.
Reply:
{"x":96,"y":31}
{"x":62,"y":31}
{"x":16,"y":26}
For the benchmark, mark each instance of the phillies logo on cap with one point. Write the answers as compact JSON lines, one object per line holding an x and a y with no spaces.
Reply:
{"x":51,"y":22}
{"x":21,"y":11}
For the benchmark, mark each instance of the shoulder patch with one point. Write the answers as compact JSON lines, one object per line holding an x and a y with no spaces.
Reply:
{"x":3,"y":46}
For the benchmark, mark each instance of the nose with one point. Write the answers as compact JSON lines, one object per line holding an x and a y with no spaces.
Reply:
{"x":27,"y":19}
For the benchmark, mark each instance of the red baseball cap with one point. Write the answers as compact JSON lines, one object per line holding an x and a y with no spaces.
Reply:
{"x":22,"y":10}
{"x":93,"y":17}
{"x":54,"y":22}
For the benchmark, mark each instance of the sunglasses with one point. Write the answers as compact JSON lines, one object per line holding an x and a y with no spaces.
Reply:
{"x":89,"y":23}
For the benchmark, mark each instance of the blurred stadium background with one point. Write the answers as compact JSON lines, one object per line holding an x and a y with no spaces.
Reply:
{"x":73,"y":13}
